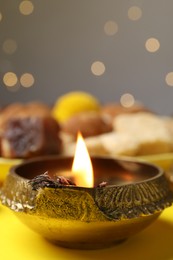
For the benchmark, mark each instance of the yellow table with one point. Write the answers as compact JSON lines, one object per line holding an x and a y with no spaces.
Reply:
{"x":18,"y":242}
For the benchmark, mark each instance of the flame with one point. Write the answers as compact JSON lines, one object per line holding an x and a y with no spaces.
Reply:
{"x":82,"y":167}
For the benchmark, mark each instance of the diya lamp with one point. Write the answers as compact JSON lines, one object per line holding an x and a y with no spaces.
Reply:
{"x":81,"y":209}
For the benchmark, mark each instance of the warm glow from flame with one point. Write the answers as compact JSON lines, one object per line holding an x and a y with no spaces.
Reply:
{"x":82,"y":167}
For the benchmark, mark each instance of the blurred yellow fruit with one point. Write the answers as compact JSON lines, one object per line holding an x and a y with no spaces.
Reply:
{"x":73,"y":103}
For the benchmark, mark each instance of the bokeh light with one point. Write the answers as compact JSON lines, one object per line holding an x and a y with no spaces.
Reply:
{"x":169,"y":79}
{"x":1,"y":16}
{"x":98,"y":68}
{"x":27,"y":80}
{"x":9,"y":46}
{"x":26,"y":7}
{"x":111,"y":28}
{"x":10,"y":79}
{"x":152,"y":45}
{"x":134,"y":13}
{"x":127,"y":100}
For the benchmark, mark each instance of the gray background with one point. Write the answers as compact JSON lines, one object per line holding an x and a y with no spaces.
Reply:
{"x":60,"y":40}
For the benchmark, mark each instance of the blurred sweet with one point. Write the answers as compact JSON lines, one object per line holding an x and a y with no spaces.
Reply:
{"x":148,"y":129}
{"x":28,"y":130}
{"x":88,"y":123}
{"x":136,"y":134}
{"x":73,"y":103}
{"x":169,"y":123}
{"x":120,"y":144}
{"x":115,"y":109}
{"x":113,"y":144}
{"x":93,"y":143}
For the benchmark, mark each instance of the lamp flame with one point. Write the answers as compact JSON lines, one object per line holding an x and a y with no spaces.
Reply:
{"x":82,"y":167}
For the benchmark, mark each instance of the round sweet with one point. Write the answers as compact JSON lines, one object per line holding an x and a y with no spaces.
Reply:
{"x":115,"y":109}
{"x":73,"y":103}
{"x":88,"y":123}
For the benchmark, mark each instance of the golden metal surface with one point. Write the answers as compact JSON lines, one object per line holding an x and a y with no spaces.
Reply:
{"x":79,"y":217}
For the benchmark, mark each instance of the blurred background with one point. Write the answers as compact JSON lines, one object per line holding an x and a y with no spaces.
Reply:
{"x":116,"y":50}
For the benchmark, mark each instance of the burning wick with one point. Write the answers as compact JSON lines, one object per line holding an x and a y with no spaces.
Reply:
{"x":82,"y":169}
{"x":81,"y":173}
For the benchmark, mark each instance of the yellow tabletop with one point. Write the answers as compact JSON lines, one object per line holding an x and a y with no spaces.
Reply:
{"x":18,"y":242}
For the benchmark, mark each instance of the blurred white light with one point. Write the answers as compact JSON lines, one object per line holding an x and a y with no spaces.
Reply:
{"x":111,"y":28}
{"x":134,"y":13}
{"x":9,"y":46}
{"x":152,"y":45}
{"x":27,"y":80}
{"x":1,"y":16}
{"x":98,"y":68}
{"x":169,"y":79}
{"x":10,"y":79}
{"x":127,"y":100}
{"x":26,"y":7}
